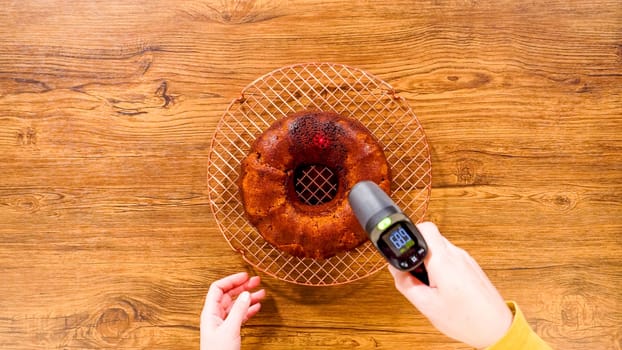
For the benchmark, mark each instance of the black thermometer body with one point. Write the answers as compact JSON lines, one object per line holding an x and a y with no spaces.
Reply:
{"x":392,"y":232}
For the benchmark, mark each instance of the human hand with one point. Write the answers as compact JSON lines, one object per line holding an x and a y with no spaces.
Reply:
{"x":222,"y":317}
{"x":461,"y":302}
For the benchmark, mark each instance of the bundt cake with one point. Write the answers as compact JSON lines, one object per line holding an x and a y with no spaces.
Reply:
{"x":279,"y":189}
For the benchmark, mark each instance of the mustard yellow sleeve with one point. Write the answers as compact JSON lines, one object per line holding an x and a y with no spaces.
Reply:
{"x":520,"y":335}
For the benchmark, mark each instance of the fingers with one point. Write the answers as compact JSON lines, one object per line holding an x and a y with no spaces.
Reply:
{"x":419,"y":294}
{"x":239,"y":311}
{"x":252,"y":311}
{"x":251,"y":284}
{"x":247,"y":285}
{"x":413,"y":289}
{"x":404,"y":281}
{"x":257,"y":296}
{"x":230,"y":282}
{"x":255,"y":304}
{"x":215,"y":301}
{"x":432,"y":236}
{"x":437,"y":250}
{"x":219,"y":300}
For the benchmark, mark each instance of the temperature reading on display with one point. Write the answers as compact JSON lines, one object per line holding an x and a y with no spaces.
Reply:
{"x":399,"y":240}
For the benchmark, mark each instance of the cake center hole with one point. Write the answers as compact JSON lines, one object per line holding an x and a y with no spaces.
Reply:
{"x":315,"y":184}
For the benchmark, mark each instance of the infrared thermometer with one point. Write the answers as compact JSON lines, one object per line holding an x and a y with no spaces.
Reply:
{"x":389,"y":229}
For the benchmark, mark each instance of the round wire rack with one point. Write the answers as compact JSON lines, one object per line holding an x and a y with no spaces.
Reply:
{"x":350,"y":92}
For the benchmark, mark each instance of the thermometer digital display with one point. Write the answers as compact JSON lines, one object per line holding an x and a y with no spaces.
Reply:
{"x":398,"y":239}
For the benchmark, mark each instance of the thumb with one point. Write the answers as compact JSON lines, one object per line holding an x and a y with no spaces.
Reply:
{"x":238,"y":311}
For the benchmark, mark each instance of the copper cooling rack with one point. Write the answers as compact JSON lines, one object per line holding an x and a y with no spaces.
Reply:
{"x":316,"y":86}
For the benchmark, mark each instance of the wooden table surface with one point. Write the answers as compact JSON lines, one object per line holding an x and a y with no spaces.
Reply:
{"x":107,"y":109}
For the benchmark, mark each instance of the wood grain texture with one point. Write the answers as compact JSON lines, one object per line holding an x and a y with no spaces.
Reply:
{"x":106,"y":114}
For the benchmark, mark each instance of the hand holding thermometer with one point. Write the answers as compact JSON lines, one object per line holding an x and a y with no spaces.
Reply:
{"x":392,"y":232}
